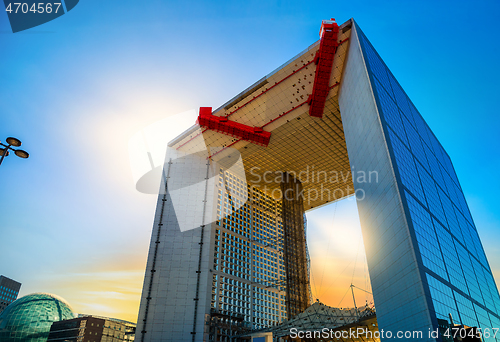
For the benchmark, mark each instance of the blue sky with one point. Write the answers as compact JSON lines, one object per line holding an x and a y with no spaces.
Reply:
{"x":76,"y":89}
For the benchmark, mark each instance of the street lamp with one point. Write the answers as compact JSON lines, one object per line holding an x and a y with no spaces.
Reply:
{"x":4,"y":149}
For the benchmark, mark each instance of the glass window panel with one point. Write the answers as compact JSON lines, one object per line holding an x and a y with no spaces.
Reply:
{"x":451,"y":218}
{"x":485,"y":323}
{"x":434,"y":204}
{"x":421,"y":125}
{"x":435,"y":199}
{"x":426,"y":237}
{"x":406,"y":167}
{"x":415,"y":144}
{"x":375,"y":63}
{"x":466,"y":310}
{"x":401,"y":98}
{"x":442,"y":298}
{"x":468,"y":270}
{"x":450,"y":256}
{"x":391,"y":113}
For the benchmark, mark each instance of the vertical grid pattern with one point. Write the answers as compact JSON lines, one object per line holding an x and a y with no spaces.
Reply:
{"x":458,"y":273}
{"x":396,"y":281}
{"x":248,"y":285}
{"x":297,"y":277}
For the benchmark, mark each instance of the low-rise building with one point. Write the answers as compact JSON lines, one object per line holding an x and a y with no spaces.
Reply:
{"x":9,"y":289}
{"x":92,"y":329}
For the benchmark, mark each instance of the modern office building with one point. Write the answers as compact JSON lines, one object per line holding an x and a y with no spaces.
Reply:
{"x":228,"y":248}
{"x":9,"y":289}
{"x":92,"y":328}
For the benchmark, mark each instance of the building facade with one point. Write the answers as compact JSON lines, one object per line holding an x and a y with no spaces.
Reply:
{"x":228,"y":249}
{"x":92,"y":329}
{"x":445,"y":267}
{"x":9,"y":290}
{"x":77,"y":330}
{"x":243,"y":285}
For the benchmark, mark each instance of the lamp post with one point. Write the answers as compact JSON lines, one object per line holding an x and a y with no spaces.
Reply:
{"x":4,"y":149}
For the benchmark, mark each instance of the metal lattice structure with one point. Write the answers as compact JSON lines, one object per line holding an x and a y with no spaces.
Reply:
{"x":295,"y":253}
{"x":308,"y":259}
{"x":320,"y":316}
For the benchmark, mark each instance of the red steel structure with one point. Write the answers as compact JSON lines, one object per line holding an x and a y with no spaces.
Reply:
{"x":324,"y":60}
{"x":321,"y":87}
{"x":223,"y":125}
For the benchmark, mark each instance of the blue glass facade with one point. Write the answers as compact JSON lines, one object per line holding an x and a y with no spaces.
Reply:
{"x":29,"y":318}
{"x":453,"y":266}
{"x":7,"y":295}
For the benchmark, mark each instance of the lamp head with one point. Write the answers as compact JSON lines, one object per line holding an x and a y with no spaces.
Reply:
{"x":22,"y":154}
{"x":13,"y":141}
{"x":2,"y":151}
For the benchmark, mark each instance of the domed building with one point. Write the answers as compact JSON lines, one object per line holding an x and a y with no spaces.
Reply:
{"x":29,"y":318}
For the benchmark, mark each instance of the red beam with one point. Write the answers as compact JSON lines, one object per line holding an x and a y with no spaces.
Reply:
{"x":276,"y":83}
{"x":321,"y":88}
{"x":327,"y":48}
{"x":222,"y":125}
{"x":280,"y":116}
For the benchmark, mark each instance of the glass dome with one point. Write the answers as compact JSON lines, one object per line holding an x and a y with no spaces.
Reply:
{"x":29,"y":318}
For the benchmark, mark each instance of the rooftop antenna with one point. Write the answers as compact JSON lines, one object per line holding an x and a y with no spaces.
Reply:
{"x":451,"y":319}
{"x":354,"y":300}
